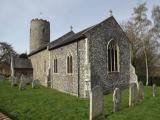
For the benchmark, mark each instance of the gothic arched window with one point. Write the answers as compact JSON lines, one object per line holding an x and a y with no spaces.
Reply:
{"x":69,"y":64}
{"x":113,"y":57}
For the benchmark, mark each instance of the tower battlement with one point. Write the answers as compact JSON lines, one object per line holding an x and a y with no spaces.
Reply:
{"x":38,"y":20}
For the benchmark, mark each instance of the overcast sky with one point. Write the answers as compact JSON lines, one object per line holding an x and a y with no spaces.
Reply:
{"x":16,"y":15}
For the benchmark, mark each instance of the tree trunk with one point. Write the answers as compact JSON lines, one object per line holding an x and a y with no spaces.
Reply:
{"x":146,"y":63}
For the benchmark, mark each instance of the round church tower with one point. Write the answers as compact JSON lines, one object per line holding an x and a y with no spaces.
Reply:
{"x":39,"y":34}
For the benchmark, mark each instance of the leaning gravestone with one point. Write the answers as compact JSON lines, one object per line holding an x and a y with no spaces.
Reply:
{"x":133,"y":94}
{"x":141,"y":91}
{"x":14,"y":81}
{"x":154,"y":90}
{"x":116,"y":99}
{"x":22,"y":85}
{"x":96,"y":103}
{"x":35,"y":83}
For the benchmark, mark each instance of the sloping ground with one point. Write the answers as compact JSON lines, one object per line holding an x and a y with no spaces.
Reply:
{"x":40,"y":104}
{"x":49,"y":104}
{"x":148,"y":109}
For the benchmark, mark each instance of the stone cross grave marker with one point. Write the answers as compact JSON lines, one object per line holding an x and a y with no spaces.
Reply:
{"x":133,"y":94}
{"x":116,"y":99}
{"x":141,"y":91}
{"x":96,"y":103}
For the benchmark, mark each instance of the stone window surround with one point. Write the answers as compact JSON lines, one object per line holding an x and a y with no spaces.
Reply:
{"x":69,"y":55}
{"x":118,"y":63}
{"x":55,"y":65}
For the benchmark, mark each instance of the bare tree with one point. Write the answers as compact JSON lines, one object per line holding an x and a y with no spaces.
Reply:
{"x":6,"y":51}
{"x":156,"y":20}
{"x":142,"y":24}
{"x":144,"y":37}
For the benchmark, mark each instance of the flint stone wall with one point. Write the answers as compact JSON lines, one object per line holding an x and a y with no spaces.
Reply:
{"x":63,"y":81}
{"x":38,"y":66}
{"x":99,"y":38}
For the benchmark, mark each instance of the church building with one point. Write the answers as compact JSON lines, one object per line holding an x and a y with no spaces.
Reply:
{"x":76,"y":62}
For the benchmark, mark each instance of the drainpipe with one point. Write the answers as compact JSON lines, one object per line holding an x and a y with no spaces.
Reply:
{"x":78,"y":67}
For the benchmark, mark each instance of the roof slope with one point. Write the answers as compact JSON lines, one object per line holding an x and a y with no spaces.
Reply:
{"x":22,"y":63}
{"x":72,"y":38}
{"x":68,"y":39}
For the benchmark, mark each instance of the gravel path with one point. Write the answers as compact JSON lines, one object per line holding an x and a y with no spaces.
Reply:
{"x":3,"y":117}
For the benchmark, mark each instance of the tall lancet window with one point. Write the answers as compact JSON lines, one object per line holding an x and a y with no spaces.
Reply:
{"x":69,"y":64}
{"x":113,"y":57}
{"x":55,"y":65}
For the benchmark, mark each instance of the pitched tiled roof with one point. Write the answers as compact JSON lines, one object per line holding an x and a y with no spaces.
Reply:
{"x":66,"y":40}
{"x":22,"y":63}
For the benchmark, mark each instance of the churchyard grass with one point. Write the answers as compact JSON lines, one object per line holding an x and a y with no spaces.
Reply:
{"x":40,"y":104}
{"x":49,"y":104}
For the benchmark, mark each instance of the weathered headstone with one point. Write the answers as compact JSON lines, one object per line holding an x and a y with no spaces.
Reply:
{"x":22,"y":85}
{"x":133,"y":94}
{"x":14,"y":81}
{"x":154,"y":90}
{"x":96,"y":103}
{"x":28,"y":80}
{"x":133,"y":76}
{"x":35,"y":83}
{"x":141,"y":91}
{"x":116,"y":99}
{"x":2,"y":78}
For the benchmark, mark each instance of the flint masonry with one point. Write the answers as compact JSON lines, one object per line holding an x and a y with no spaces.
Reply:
{"x":76,"y":62}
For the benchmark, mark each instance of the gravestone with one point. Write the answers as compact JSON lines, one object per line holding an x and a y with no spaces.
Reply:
{"x":154,"y":91}
{"x":96,"y":103}
{"x":141,"y":91}
{"x":14,"y":81}
{"x":28,"y":80}
{"x":35,"y":83}
{"x":2,"y":78}
{"x":133,"y":76}
{"x":22,"y":85}
{"x":116,"y":99}
{"x":133,"y":94}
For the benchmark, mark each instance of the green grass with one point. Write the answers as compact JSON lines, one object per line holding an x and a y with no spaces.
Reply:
{"x":49,"y":104}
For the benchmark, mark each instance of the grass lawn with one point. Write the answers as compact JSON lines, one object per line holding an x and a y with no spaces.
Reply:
{"x":48,"y":104}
